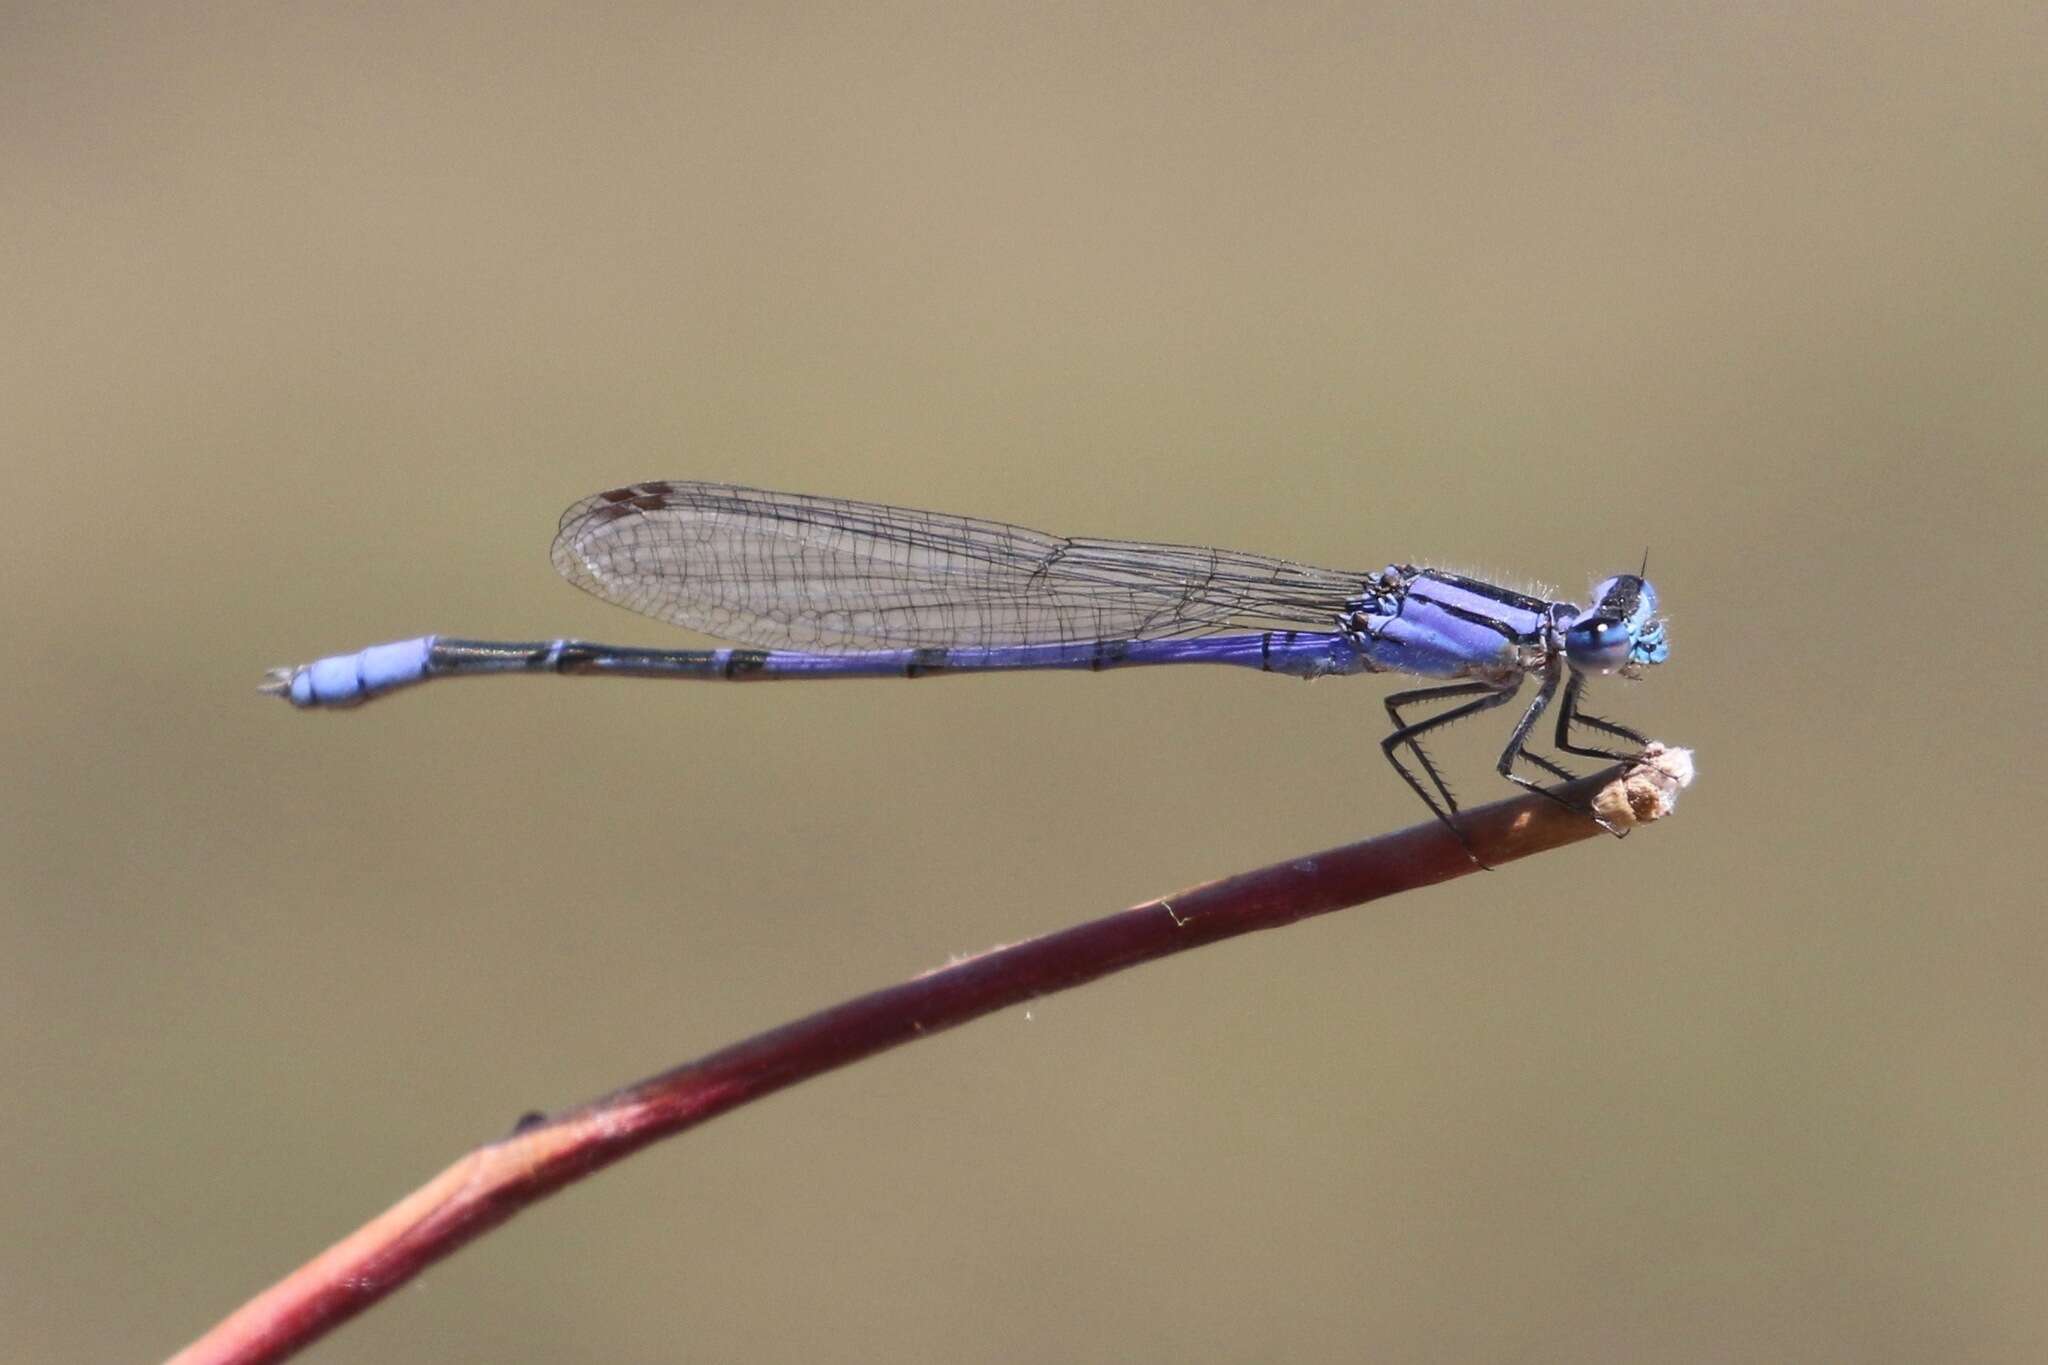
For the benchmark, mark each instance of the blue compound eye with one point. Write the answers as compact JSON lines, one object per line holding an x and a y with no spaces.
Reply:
{"x":1600,"y":646}
{"x":1620,"y":632}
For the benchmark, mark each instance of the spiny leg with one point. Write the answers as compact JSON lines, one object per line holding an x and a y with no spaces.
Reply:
{"x":1423,"y":696}
{"x":1518,"y":746}
{"x":1568,"y":715}
{"x":1520,"y":737}
{"x":1555,"y":769}
{"x":1489,"y":696}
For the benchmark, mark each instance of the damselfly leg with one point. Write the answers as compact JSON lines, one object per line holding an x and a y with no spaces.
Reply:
{"x":1487,"y":696}
{"x":1568,"y":715}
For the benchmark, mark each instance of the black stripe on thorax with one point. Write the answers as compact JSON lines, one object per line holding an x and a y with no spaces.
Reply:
{"x":1478,"y":619}
{"x":1479,"y":587}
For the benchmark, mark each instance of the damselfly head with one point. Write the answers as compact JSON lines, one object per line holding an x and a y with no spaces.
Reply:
{"x":1621,"y":632}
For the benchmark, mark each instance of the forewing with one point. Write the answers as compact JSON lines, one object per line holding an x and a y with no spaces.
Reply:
{"x":794,"y":571}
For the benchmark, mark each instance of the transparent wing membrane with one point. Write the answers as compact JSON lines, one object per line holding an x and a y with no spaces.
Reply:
{"x":793,"y":571}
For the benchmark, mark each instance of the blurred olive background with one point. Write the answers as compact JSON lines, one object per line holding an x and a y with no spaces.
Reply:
{"x":317,"y":316}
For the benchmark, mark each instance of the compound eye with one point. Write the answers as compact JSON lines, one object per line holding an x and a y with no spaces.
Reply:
{"x":1598,"y":644}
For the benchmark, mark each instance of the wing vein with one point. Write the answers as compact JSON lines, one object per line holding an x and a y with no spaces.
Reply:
{"x":787,"y":570}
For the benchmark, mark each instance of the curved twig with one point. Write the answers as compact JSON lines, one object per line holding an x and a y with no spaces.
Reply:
{"x":546,"y":1153}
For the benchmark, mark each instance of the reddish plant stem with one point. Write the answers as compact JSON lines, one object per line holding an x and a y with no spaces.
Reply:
{"x":489,"y":1185}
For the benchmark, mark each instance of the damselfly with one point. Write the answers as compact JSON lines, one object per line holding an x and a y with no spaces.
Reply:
{"x":819,"y":587}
